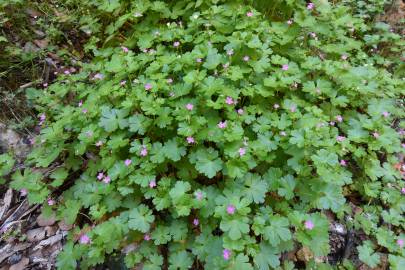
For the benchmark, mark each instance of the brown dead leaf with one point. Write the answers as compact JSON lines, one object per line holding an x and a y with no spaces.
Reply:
{"x":21,"y":265}
{"x":50,"y":241}
{"x":41,"y":43}
{"x":36,"y":235}
{"x":5,"y":205}
{"x":46,"y":221}
{"x":305,"y":254}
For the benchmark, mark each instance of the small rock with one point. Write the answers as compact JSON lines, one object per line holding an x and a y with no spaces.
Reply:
{"x":46,"y":221}
{"x":15,"y":258}
{"x":21,"y":265}
{"x":35,"y":235}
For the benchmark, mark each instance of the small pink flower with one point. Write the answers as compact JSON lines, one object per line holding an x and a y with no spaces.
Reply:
{"x":276,"y":106}
{"x":89,"y":133}
{"x":98,"y":76}
{"x":229,"y":52}
{"x":403,"y":190}
{"x":100,"y":176}
{"x":312,"y":34}
{"x":385,"y":114}
{"x":45,"y":85}
{"x":106,"y":179}
{"x":80,"y":103}
{"x":225,"y":66}
{"x":293,"y":108}
{"x":240,"y":111}
{"x":124,"y":49}
{"x":146,"y":237}
{"x":339,"y":118}
{"x":196,"y":222}
{"x":84,"y":239}
{"x":23,"y":192}
{"x":190,"y":139}
{"x":285,"y":67}
{"x":169,"y":80}
{"x":400,"y":243}
{"x":401,"y":132}
{"x":122,"y":83}
{"x":42,"y":117}
{"x":199,"y":196}
{"x":230,"y":209}
{"x":289,"y":22}
{"x":176,"y":44}
{"x":310,"y":6}
{"x":332,"y":123}
{"x":317,"y":90}
{"x":222,"y":124}
{"x":340,"y":138}
{"x":51,"y":202}
{"x":127,"y":162}
{"x":148,"y":86}
{"x":376,"y":134}
{"x":198,"y":60}
{"x":242,"y":151}
{"x":229,"y":101}
{"x":343,"y":163}
{"x":249,"y":14}
{"x":226,"y":253}
{"x":144,"y":152}
{"x":343,"y":57}
{"x":309,"y":225}
{"x":189,"y":106}
{"x":84,"y":111}
{"x":246,"y":58}
{"x":67,"y":72}
{"x":99,"y":143}
{"x":282,"y":133}
{"x":403,"y":145}
{"x":152,"y":183}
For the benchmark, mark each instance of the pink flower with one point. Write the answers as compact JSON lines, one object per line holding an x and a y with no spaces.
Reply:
{"x":332,"y":123}
{"x":144,"y":152}
{"x":222,"y":124}
{"x":98,"y":76}
{"x":189,"y":106}
{"x":385,"y":114}
{"x":340,"y":138}
{"x":403,"y":145}
{"x":100,"y":176}
{"x":229,"y":100}
{"x":51,"y":202}
{"x":122,"y":83}
{"x":45,"y":85}
{"x":343,"y":163}
{"x":99,"y":143}
{"x":230,"y":209}
{"x":176,"y":44}
{"x":199,"y":196}
{"x":242,"y":151}
{"x":400,"y":243}
{"x":67,"y":72}
{"x":84,"y":239}
{"x":226,"y":253}
{"x":146,"y":237}
{"x":246,"y":58}
{"x":343,"y":57}
{"x":106,"y":179}
{"x":84,"y":111}
{"x":190,"y":139}
{"x":229,"y":52}
{"x":339,"y":118}
{"x":196,"y":222}
{"x":282,"y":133}
{"x":23,"y":192}
{"x":240,"y":111}
{"x":127,"y":162}
{"x":285,"y":67}
{"x":225,"y":66}
{"x":310,"y":6}
{"x":276,"y":106}
{"x":312,"y":34}
{"x":309,"y":225}
{"x":289,"y":22}
{"x":80,"y":103}
{"x":42,"y":117}
{"x":403,"y":190}
{"x":124,"y":49}
{"x":148,"y":86}
{"x":376,"y":134}
{"x":249,"y":14}
{"x":293,"y":108}
{"x":152,"y":183}
{"x":199,"y":60}
{"x":169,"y":80}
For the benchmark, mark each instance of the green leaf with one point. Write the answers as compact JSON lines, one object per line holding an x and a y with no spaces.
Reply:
{"x":206,"y":161}
{"x":277,"y":231}
{"x":111,"y":119}
{"x":267,"y":257}
{"x":173,"y":151}
{"x":213,"y":58}
{"x":367,"y":254}
{"x":139,"y":123}
{"x":235,"y":227}
{"x":140,"y":218}
{"x":181,"y":260}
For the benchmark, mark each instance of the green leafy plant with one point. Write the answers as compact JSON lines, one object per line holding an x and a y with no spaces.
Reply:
{"x":206,"y":134}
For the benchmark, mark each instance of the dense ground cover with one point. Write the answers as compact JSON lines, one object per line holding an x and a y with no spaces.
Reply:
{"x":223,"y":135}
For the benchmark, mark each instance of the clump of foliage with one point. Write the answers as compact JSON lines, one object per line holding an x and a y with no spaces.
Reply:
{"x":205,"y":134}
